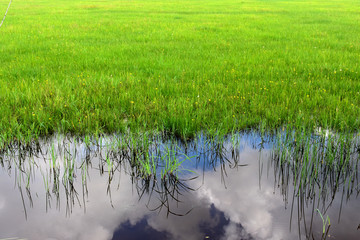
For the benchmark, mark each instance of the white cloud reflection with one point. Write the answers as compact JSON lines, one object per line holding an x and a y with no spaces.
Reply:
{"x":260,"y":212}
{"x":243,"y":202}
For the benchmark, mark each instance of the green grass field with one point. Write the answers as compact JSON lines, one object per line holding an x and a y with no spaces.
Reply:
{"x":88,"y":67}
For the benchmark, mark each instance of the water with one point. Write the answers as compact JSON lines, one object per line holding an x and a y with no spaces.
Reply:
{"x":239,"y":193}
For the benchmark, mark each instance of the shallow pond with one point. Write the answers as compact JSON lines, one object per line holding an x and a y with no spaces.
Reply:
{"x":68,"y":189}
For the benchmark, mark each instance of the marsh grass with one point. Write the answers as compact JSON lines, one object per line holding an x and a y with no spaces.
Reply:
{"x":155,"y":166}
{"x":89,"y":67}
{"x":158,"y":165}
{"x":319,"y":167}
{"x":326,"y":225}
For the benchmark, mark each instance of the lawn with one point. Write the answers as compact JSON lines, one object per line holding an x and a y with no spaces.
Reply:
{"x":90,"y":67}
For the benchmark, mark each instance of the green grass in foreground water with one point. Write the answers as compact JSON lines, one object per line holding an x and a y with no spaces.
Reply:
{"x":87,"y":67}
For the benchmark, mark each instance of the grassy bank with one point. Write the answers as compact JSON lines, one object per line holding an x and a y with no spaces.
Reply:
{"x":87,"y":67}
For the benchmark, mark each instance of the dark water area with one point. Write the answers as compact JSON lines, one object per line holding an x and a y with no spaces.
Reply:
{"x":67,"y":189}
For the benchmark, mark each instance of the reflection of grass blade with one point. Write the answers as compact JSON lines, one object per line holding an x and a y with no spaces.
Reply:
{"x":325,"y":222}
{"x":317,"y":166}
{"x":311,"y":163}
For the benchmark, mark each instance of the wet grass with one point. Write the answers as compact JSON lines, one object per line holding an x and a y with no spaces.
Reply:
{"x":154,"y":166}
{"x":318,"y":167}
{"x":90,"y":67}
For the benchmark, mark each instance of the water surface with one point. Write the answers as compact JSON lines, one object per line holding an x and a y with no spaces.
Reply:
{"x":238,"y":194}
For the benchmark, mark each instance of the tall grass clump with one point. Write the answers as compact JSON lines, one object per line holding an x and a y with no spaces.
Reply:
{"x":318,"y":167}
{"x":319,"y":161}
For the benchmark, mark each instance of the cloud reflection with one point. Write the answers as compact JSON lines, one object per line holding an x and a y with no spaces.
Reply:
{"x":244,"y":207}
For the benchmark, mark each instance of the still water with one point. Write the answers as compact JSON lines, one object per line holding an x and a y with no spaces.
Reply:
{"x":236,"y":193}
